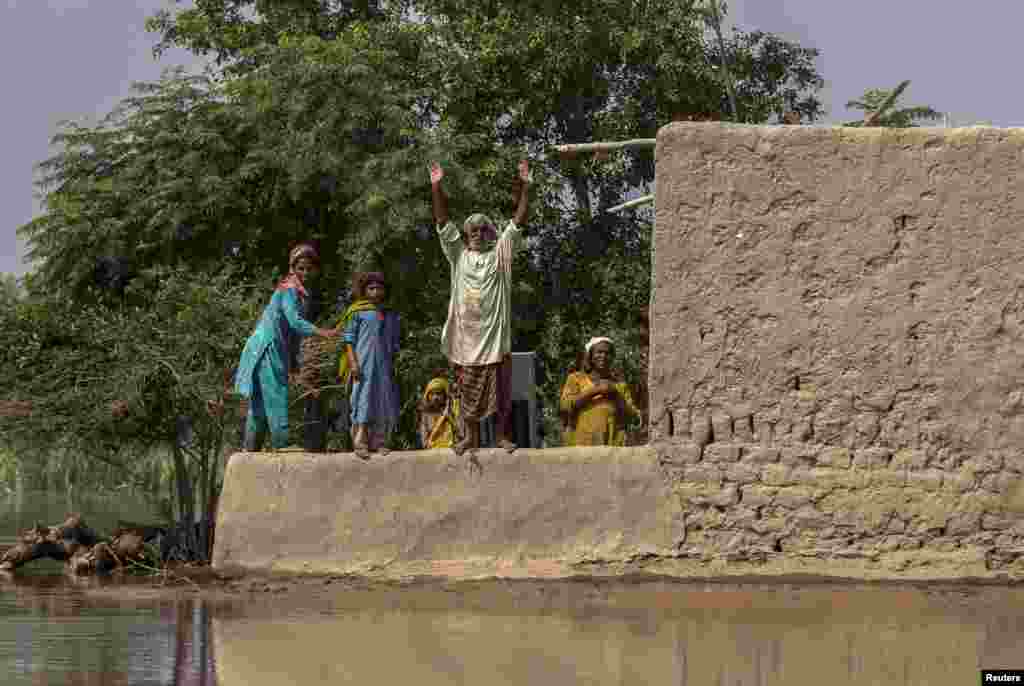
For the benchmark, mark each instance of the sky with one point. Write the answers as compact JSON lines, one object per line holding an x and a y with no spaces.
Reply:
{"x":74,"y":59}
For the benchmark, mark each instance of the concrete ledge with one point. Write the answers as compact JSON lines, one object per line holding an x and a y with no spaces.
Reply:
{"x":532,"y":513}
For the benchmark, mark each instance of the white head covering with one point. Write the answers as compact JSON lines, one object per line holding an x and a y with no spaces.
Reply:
{"x":594,"y":341}
{"x":490,"y":233}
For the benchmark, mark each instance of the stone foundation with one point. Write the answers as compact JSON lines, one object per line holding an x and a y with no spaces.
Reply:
{"x":890,"y":512}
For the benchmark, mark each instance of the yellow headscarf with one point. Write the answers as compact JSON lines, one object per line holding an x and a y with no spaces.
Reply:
{"x":438,"y":384}
{"x":451,"y":408}
{"x":357,"y":306}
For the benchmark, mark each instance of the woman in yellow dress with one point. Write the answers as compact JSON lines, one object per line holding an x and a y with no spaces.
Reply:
{"x":439,"y":416}
{"x":596,"y":403}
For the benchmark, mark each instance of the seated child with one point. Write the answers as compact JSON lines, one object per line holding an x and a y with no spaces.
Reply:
{"x":439,"y":416}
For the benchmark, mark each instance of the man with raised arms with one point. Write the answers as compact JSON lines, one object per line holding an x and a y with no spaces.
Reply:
{"x":477,"y":337}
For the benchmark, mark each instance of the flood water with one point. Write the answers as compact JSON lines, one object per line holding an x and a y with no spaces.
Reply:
{"x":54,"y":630}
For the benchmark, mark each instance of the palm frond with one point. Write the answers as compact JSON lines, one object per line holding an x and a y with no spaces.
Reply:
{"x":872,"y":119}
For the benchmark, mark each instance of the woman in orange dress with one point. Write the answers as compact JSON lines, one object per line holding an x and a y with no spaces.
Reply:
{"x":596,"y":403}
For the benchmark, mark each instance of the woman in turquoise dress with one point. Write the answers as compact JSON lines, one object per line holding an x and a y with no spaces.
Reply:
{"x":272,"y":352}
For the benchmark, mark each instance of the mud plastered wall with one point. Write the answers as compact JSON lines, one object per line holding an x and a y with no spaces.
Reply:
{"x":837,"y":341}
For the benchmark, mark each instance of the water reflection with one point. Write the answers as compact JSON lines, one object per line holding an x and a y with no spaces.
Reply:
{"x":53,"y":631}
{"x":102,"y":633}
{"x":663,"y":634}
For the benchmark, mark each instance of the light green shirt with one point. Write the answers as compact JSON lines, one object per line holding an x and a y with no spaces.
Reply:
{"x":479,"y":326}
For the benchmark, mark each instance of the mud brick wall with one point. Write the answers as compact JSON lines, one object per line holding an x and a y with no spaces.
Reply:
{"x":837,"y":340}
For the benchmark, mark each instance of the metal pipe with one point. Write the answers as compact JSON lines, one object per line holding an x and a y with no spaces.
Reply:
{"x":633,"y":203}
{"x":573,"y":148}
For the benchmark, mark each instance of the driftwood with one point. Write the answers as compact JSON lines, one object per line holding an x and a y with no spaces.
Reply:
{"x":79,"y":547}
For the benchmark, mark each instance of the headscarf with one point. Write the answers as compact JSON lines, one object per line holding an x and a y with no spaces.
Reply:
{"x":613,"y":373}
{"x":300,"y":251}
{"x":489,"y":234}
{"x":438,"y":384}
{"x":451,"y":407}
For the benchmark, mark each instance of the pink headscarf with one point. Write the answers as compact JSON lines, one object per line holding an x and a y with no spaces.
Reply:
{"x":302,"y":250}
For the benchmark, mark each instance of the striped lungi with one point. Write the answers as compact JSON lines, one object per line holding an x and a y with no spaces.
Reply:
{"x":483,"y":390}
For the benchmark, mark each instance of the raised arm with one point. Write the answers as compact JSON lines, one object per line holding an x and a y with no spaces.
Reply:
{"x":440,"y":199}
{"x":451,"y":237}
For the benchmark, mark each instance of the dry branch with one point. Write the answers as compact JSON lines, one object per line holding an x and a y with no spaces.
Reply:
{"x":78,"y":546}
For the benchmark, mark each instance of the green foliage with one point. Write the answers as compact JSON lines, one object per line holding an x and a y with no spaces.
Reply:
{"x":229,"y":30}
{"x":10,"y":290}
{"x":776,"y":76}
{"x":163,"y":361}
{"x":882,"y":102}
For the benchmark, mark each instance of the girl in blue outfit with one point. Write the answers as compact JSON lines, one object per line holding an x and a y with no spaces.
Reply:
{"x":370,"y":338}
{"x":272,"y":352}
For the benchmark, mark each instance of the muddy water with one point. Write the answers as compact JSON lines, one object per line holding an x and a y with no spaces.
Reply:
{"x":53,"y":631}
{"x":651,"y":632}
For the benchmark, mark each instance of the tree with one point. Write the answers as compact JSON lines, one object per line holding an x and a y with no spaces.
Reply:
{"x":232,"y":31}
{"x":878,"y":104}
{"x":10,"y":290}
{"x":116,"y":383}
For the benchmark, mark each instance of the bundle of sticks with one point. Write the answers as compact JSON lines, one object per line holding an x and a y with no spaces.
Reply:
{"x":319,"y":364}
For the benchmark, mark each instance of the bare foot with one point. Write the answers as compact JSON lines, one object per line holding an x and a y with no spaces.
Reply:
{"x":507,"y":445}
{"x":362,"y":453}
{"x":384,"y":451}
{"x":461,"y":446}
